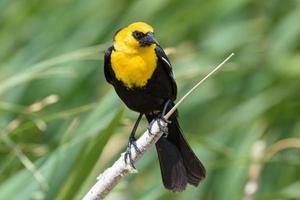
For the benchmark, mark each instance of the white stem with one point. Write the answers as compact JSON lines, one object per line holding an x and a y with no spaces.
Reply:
{"x":111,"y":176}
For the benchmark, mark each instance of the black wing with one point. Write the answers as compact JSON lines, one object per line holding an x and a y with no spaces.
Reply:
{"x":164,"y":61}
{"x":107,"y":65}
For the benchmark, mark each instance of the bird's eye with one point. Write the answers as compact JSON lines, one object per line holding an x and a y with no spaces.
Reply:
{"x":137,"y":35}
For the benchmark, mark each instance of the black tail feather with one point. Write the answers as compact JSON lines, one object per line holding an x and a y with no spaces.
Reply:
{"x":195,"y":169}
{"x":178,"y":163}
{"x":172,"y":167}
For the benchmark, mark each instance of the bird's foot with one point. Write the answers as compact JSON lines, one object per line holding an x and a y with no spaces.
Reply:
{"x":128,"y":153}
{"x":162,"y":128}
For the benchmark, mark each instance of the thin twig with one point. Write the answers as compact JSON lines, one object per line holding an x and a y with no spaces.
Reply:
{"x":111,"y":176}
{"x":196,"y":86}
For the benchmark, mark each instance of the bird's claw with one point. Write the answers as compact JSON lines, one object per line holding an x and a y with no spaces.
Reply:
{"x":149,"y":128}
{"x":128,"y":154}
{"x":162,"y":128}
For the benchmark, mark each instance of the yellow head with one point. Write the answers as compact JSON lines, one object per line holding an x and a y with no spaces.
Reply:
{"x":134,"y":38}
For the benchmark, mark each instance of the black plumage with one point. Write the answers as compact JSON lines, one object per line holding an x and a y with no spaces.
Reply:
{"x":179,"y":165}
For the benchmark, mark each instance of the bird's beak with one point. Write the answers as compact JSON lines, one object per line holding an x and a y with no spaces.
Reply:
{"x":149,"y":39}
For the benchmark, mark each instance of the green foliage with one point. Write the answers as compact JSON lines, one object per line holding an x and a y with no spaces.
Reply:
{"x":61,"y":124}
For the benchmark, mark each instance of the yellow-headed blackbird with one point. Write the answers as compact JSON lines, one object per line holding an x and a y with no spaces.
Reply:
{"x":142,"y":76}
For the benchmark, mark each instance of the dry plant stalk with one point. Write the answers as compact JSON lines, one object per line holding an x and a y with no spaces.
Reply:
{"x":260,"y":155}
{"x":111,"y":176}
{"x":15,"y":123}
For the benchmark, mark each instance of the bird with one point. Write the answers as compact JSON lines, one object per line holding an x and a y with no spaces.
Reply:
{"x":142,"y":76}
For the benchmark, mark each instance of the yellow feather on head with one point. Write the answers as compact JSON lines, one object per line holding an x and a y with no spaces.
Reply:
{"x":133,"y":63}
{"x":124,"y":41}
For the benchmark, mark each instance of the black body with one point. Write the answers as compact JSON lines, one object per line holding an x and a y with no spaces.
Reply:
{"x":179,"y":165}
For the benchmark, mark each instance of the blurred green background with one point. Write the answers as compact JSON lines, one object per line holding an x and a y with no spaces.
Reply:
{"x":61,"y":124}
